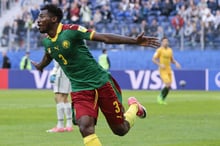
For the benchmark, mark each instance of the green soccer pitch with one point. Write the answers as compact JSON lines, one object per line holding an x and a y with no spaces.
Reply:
{"x":191,"y":118}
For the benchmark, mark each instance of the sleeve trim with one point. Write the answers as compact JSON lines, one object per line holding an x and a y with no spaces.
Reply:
{"x":91,"y":35}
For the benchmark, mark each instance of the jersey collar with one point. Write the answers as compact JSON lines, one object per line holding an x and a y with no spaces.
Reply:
{"x":59,"y":28}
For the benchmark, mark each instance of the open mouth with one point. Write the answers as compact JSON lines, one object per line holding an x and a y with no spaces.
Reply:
{"x":39,"y":25}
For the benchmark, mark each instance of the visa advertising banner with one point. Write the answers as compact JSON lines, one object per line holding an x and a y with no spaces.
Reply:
{"x":29,"y":79}
{"x":127,"y":79}
{"x":150,"y":79}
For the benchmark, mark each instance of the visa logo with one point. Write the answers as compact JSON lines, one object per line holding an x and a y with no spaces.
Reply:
{"x":41,"y":79}
{"x":147,"y":79}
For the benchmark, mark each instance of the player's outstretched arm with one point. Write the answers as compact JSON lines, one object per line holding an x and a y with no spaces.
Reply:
{"x":44,"y":62}
{"x":120,"y":39}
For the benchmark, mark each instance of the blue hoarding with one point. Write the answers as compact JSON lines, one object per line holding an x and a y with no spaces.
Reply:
{"x":127,"y":79}
{"x":29,"y":79}
{"x":150,"y":79}
{"x":214,"y":80}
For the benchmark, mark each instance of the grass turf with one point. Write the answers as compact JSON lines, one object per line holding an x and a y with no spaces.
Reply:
{"x":191,"y":118}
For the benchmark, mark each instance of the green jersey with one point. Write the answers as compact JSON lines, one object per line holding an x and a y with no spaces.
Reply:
{"x":68,"y":48}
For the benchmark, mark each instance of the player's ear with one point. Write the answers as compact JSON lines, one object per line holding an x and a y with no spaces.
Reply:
{"x":54,"y":19}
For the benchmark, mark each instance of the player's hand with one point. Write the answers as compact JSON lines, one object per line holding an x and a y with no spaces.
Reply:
{"x":147,"y":41}
{"x":178,"y":66}
{"x":37,"y":66}
{"x":52,"y":78}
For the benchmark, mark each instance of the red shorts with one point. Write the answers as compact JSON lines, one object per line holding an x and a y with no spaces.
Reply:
{"x":108,"y":98}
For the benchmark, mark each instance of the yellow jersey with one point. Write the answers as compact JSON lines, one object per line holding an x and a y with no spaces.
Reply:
{"x":165,"y":56}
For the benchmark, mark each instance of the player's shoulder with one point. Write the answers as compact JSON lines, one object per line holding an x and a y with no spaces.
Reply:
{"x":46,"y":40}
{"x":74,"y":27}
{"x":159,"y":49}
{"x":70,"y":26}
{"x":170,"y":49}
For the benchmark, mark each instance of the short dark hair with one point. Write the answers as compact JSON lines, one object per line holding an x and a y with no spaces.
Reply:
{"x":104,"y":50}
{"x":163,"y":38}
{"x":54,"y":10}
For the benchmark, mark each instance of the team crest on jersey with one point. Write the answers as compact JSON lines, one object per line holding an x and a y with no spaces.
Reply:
{"x":66,"y":44}
{"x":56,"y":48}
{"x":82,"y":29}
{"x":49,"y":50}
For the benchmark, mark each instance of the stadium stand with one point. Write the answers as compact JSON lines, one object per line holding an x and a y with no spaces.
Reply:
{"x":199,"y":35}
{"x":137,"y":59}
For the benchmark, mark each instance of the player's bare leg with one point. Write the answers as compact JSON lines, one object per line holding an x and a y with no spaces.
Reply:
{"x":87,"y":129}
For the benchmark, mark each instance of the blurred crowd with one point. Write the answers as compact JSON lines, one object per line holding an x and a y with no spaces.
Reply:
{"x":189,"y":23}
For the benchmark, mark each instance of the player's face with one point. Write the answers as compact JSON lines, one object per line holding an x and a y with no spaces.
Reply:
{"x":44,"y":21}
{"x":165,"y":43}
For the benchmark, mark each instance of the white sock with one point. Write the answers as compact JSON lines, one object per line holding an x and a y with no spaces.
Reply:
{"x":68,"y":113}
{"x":60,"y":115}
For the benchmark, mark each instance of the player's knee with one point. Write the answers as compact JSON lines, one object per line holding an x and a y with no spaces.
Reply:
{"x":55,"y":99}
{"x":85,"y":130}
{"x":86,"y":125}
{"x":120,"y":131}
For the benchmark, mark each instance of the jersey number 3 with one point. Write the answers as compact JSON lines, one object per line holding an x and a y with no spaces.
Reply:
{"x":117,"y":108}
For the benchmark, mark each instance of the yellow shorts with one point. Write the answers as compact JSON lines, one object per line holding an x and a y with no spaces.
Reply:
{"x":166,"y":76}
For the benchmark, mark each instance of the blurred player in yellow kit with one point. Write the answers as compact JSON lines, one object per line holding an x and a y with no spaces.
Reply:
{"x":163,"y":57}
